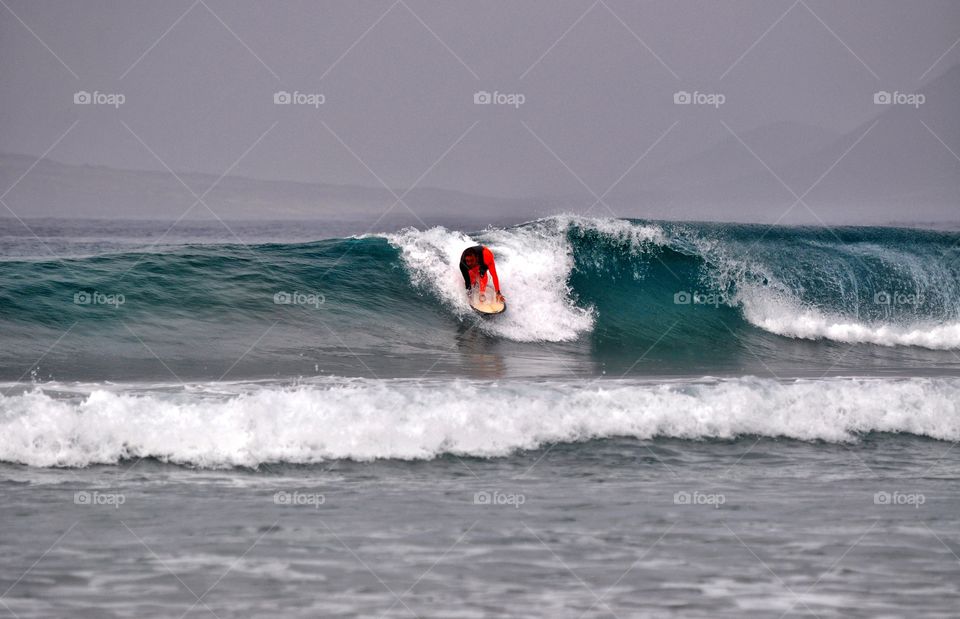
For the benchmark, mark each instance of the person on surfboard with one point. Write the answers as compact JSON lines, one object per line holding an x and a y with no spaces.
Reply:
{"x":475,"y":262}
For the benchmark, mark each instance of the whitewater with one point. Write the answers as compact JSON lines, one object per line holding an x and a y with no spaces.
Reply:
{"x":225,"y":425}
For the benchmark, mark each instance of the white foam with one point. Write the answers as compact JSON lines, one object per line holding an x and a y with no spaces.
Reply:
{"x":775,"y":307}
{"x":222,"y":425}
{"x":778,"y":314}
{"x":533,"y":264}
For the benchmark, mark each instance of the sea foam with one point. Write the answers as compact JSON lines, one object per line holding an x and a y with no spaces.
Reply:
{"x":224,"y":425}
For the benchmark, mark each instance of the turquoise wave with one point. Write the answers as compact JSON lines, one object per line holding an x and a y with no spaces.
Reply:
{"x":609,"y":287}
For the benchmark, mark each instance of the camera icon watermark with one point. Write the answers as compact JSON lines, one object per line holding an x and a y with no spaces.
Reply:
{"x":883,"y":97}
{"x":314,"y":299}
{"x":898,"y":298}
{"x":514,"y":99}
{"x":714,"y":99}
{"x":84,"y":297}
{"x":315,"y":99}
{"x":299,"y":499}
{"x":112,"y":499}
{"x":82,"y":97}
{"x":913,"y":499}
{"x":685,"y":297}
{"x":498,"y":498}
{"x":714,"y":500}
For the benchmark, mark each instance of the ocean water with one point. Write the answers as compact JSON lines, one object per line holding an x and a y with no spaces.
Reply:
{"x":671,"y":419}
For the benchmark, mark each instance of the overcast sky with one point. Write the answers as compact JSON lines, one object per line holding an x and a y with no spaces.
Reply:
{"x":398,"y":81}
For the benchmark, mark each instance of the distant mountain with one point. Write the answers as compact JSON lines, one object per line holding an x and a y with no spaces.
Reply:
{"x":53,"y":189}
{"x":900,"y":163}
{"x":778,"y":145}
{"x":899,"y":171}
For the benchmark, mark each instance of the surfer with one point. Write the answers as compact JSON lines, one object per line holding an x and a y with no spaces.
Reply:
{"x":474,"y":263}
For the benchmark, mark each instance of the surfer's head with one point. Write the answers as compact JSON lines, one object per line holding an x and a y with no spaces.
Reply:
{"x":470,"y":260}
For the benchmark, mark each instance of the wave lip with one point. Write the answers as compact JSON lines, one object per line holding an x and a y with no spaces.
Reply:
{"x":220,"y":425}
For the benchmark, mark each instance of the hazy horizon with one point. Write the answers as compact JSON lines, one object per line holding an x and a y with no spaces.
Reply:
{"x":751,"y":111}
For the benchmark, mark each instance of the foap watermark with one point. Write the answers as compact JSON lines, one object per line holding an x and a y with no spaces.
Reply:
{"x":282,"y":97}
{"x":682,"y":97}
{"x":499,"y":498}
{"x":314,"y":299}
{"x":86,"y":497}
{"x":913,"y":499}
{"x":882,"y":97}
{"x":84,"y":297}
{"x":299,"y":499}
{"x":685,"y":297}
{"x":898,"y":298}
{"x":714,"y":500}
{"x":484,"y":97}
{"x":82,"y":97}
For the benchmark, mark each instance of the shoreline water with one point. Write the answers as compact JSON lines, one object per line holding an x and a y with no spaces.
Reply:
{"x":749,"y":527}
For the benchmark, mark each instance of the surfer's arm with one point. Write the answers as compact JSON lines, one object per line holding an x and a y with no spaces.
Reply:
{"x":466,"y":274}
{"x":492,"y":268}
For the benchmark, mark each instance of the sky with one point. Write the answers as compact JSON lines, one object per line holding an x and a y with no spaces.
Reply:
{"x":583,"y":95}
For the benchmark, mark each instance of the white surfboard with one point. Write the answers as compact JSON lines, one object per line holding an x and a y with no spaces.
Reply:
{"x":489,"y":306}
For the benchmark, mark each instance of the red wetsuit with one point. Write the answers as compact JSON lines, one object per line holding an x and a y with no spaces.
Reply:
{"x":485,"y":263}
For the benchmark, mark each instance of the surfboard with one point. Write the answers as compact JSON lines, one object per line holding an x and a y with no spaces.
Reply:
{"x":488,"y":307}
